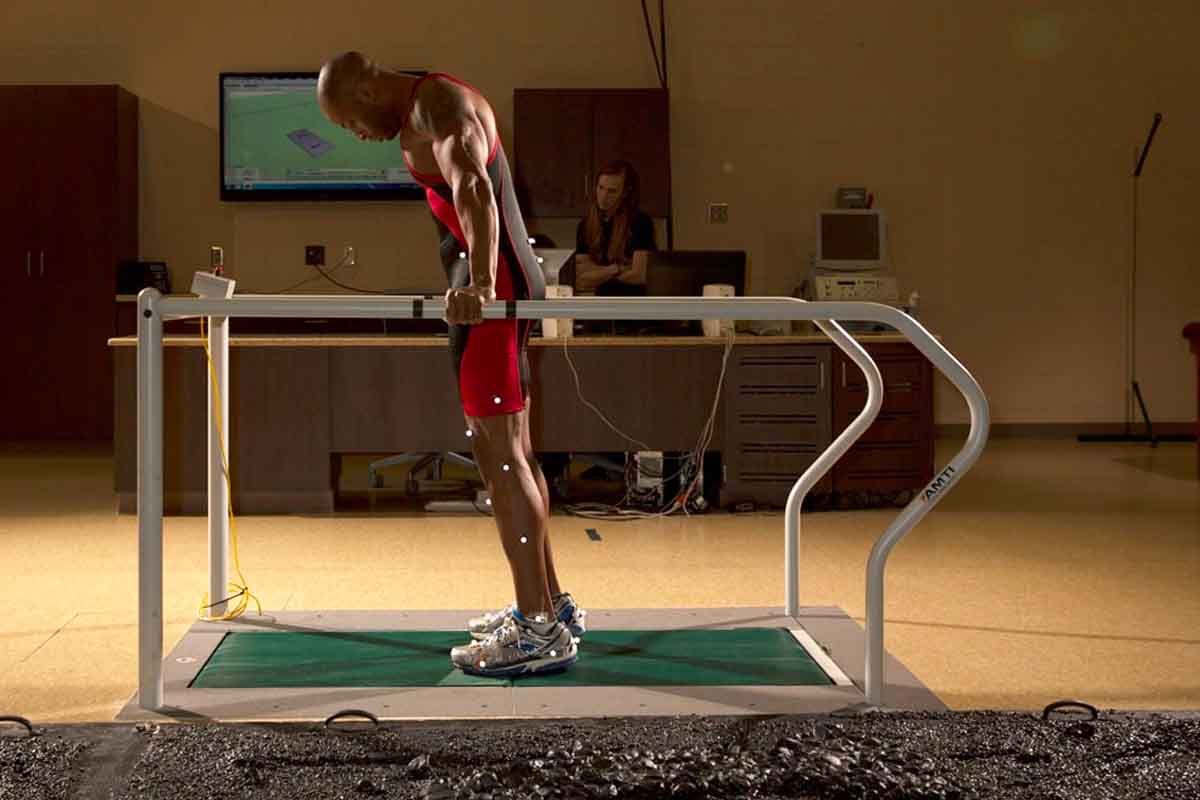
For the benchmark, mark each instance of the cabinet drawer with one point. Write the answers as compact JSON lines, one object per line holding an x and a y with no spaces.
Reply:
{"x":791,"y":458}
{"x":765,"y":363}
{"x":883,"y":461}
{"x":897,"y":397}
{"x":887,"y":427}
{"x":780,"y":380}
{"x":896,"y":375}
{"x":770,"y":476}
{"x":778,"y":398}
{"x":758,"y":426}
{"x":895,"y":401}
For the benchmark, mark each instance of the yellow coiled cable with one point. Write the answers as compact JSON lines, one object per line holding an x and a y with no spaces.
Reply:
{"x":243,"y":590}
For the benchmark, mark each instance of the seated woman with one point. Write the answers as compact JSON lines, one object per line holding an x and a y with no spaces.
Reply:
{"x":611,"y":244}
{"x":612,"y":240}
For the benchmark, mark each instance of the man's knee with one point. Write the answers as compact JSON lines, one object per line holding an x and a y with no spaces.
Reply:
{"x":497,"y":446}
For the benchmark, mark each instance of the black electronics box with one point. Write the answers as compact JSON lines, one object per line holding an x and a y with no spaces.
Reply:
{"x":133,"y":276}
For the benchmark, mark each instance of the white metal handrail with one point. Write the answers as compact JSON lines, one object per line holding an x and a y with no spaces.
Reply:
{"x":154,"y":309}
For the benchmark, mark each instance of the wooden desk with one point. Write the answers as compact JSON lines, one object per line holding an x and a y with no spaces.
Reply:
{"x":297,"y":403}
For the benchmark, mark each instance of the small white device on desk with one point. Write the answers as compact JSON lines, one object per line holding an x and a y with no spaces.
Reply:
{"x":877,"y":289}
{"x":852,"y":262}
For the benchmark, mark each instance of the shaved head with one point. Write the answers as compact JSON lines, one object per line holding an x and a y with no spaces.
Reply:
{"x":362,"y":97}
{"x":340,"y":79}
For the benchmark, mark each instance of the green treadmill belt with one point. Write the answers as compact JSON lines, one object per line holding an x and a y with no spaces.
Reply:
{"x":734,"y":657}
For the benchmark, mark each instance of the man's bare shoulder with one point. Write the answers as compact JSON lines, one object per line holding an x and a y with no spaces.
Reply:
{"x":441,"y":107}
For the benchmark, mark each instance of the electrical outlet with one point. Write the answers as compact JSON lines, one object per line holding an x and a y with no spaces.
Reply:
{"x":350,"y":258}
{"x":314,"y":255}
{"x":718,"y":213}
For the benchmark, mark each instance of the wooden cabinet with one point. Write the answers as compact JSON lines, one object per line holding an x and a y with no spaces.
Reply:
{"x":563,"y":137}
{"x":18,"y":323}
{"x":69,"y":217}
{"x":777,"y":420}
{"x":895,"y":455}
{"x":785,"y":404}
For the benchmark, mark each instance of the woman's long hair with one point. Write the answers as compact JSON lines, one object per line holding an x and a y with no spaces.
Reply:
{"x":622,"y":217}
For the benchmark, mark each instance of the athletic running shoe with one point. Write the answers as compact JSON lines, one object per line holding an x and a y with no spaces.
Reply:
{"x":515,"y":649}
{"x":568,"y":613}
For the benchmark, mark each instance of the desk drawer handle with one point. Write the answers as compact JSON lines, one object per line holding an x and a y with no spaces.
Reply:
{"x":28,"y":264}
{"x":822,"y":376}
{"x":843,"y":374}
{"x":42,"y":263}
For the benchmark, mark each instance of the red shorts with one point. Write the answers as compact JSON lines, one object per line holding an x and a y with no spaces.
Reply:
{"x":492,"y":365}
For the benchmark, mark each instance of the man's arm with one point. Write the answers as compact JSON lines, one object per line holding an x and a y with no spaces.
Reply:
{"x":460,"y":147}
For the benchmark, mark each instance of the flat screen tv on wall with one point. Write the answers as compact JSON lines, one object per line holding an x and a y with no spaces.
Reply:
{"x":276,"y":144}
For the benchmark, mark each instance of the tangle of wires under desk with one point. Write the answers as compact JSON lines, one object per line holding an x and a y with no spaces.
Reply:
{"x":692,"y":464}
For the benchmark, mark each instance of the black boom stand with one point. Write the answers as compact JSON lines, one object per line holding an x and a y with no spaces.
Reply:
{"x":1131,"y":336}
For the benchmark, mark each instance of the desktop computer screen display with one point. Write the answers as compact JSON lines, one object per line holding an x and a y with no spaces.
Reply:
{"x":276,"y":144}
{"x":851,"y":239}
{"x":685,"y":273}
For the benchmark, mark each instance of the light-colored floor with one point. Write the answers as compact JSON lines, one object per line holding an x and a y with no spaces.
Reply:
{"x":1054,"y":570}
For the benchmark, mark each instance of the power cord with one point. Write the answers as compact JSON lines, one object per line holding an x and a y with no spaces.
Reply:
{"x":331,"y":279}
{"x":243,"y":589}
{"x":692,"y":465}
{"x":327,"y":276}
{"x":243,"y":594}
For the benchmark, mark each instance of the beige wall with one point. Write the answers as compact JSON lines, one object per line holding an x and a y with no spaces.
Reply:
{"x":999,"y":137}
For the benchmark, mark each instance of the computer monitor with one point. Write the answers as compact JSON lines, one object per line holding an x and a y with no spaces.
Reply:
{"x":852,"y":240}
{"x":276,"y":144}
{"x":684,"y":273}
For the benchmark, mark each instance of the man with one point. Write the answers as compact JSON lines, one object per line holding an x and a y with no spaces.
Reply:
{"x":612,"y":240}
{"x":447,"y":132}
